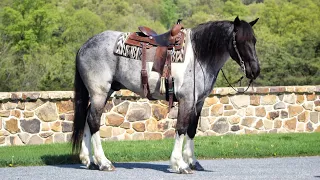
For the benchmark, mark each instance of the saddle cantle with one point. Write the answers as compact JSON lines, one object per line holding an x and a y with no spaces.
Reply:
{"x":147,"y":31}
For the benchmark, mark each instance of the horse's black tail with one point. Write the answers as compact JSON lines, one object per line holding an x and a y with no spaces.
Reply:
{"x":81,"y":100}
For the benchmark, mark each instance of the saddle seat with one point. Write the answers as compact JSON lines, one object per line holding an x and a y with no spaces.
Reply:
{"x":170,"y":39}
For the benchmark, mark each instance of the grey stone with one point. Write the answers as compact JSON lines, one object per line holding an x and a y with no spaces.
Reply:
{"x":116,"y":101}
{"x":308,"y":105}
{"x":284,"y":114}
{"x":273,"y":131}
{"x":248,"y":121}
{"x":309,"y":126}
{"x":280,"y":105}
{"x":281,"y":97}
{"x":10,"y":105}
{"x":30,"y":126}
{"x":2,"y":140}
{"x":314,"y":117}
{"x":290,"y":98}
{"x":138,"y":112}
{"x":205,"y":112}
{"x":24,"y":137}
{"x":4,"y":113}
{"x":221,"y":126}
{"x":67,"y":126}
{"x":138,"y":136}
{"x":235,"y":128}
{"x":123,"y":108}
{"x":30,"y":106}
{"x":15,"y":140}
{"x":59,"y":138}
{"x":47,"y":112}
{"x":173,"y":113}
{"x":61,"y":95}
{"x":30,"y":95}
{"x":273,"y":115}
{"x":62,"y":117}
{"x":204,"y":124}
{"x":5,"y":95}
{"x":35,"y":139}
{"x":69,"y":136}
{"x":46,"y":134}
{"x":240,"y":101}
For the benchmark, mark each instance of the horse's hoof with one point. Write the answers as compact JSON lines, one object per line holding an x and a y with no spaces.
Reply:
{"x":185,"y":171}
{"x":93,"y":166}
{"x":196,"y":167}
{"x":106,"y":168}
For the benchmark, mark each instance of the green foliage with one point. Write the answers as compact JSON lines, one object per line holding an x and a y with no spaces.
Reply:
{"x":39,"y":38}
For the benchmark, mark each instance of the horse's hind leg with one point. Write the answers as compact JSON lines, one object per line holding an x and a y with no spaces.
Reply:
{"x":96,"y":109}
{"x":188,"y":153}
{"x":86,"y":152}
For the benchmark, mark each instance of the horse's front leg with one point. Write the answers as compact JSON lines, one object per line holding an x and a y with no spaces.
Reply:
{"x":185,"y":112}
{"x":188,"y":152}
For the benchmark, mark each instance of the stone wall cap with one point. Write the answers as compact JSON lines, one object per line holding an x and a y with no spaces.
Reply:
{"x":221,"y":91}
{"x":34,"y":95}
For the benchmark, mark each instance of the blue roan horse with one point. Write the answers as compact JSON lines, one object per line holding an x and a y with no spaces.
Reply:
{"x":99,"y":73}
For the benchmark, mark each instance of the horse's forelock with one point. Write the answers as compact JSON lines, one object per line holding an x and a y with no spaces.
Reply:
{"x":245,"y":32}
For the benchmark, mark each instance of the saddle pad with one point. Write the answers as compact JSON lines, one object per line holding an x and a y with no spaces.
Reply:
{"x":134,"y":52}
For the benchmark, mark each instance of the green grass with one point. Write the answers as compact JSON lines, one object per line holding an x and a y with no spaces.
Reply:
{"x":230,"y":146}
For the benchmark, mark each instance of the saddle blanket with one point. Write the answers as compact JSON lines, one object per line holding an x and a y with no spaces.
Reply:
{"x":135,"y":52}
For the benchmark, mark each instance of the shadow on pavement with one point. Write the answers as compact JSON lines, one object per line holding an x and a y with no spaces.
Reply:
{"x":158,"y":167}
{"x":60,"y":159}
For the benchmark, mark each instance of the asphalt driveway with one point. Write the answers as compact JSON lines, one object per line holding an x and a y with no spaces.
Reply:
{"x":268,"y":168}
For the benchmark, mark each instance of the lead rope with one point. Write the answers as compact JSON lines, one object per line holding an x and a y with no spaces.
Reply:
{"x":237,"y":82}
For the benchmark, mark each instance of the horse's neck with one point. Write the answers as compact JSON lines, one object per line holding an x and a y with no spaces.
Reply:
{"x":211,"y":42}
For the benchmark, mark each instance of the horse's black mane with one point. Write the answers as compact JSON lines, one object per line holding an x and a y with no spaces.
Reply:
{"x":212,"y":38}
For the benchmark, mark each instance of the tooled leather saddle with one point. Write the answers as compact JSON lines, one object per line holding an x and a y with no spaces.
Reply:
{"x":165,"y":44}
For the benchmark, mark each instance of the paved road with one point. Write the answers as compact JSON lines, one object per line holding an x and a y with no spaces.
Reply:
{"x":269,"y":168}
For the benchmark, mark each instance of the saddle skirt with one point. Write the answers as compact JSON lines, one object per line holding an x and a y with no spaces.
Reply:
{"x":135,"y":52}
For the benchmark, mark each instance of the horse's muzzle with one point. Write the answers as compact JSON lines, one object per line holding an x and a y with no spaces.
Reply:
{"x":252,"y":70}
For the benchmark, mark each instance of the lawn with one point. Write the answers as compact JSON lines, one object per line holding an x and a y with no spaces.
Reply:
{"x":228,"y":146}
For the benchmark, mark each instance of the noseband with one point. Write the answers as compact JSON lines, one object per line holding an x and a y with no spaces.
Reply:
{"x":243,"y":67}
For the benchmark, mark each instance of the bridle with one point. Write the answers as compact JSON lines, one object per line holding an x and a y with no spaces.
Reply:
{"x":243,"y":67}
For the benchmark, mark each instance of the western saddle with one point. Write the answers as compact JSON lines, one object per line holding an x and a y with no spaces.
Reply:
{"x":166,"y":44}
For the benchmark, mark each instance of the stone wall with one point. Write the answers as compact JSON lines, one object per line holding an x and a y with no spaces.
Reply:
{"x":47,"y":117}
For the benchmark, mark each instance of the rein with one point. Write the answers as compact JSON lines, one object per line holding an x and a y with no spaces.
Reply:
{"x":243,"y":67}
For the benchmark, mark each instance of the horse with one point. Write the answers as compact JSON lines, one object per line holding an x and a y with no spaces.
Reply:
{"x":99,"y":72}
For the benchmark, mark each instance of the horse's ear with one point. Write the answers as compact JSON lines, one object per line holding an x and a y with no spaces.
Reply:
{"x":236,"y":24}
{"x":253,"y":22}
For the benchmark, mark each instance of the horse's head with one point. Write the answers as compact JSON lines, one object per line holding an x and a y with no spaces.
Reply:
{"x":242,"y":48}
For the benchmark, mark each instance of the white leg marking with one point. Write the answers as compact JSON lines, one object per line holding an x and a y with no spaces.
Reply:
{"x":188,"y":153}
{"x":99,"y":157}
{"x":176,"y":160}
{"x":86,"y":152}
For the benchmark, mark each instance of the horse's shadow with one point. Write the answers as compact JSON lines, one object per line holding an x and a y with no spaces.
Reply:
{"x":72,"y":161}
{"x":141,"y":165}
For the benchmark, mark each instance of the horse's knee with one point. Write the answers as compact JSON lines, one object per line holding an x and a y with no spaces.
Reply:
{"x":192,"y":132}
{"x":182,"y":131}
{"x":94,"y":124}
